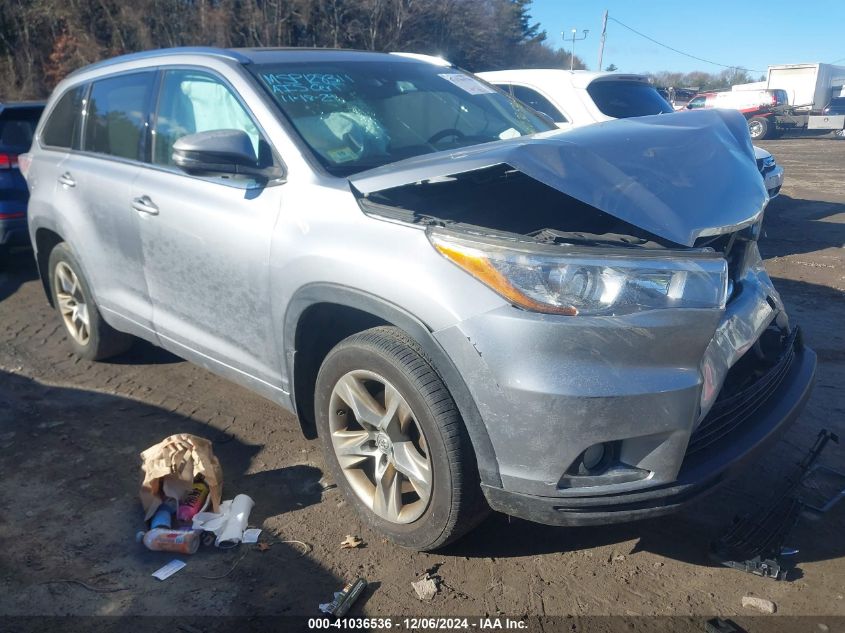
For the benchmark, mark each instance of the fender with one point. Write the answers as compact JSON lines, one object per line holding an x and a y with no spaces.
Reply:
{"x":37,"y":223}
{"x":312,"y":294}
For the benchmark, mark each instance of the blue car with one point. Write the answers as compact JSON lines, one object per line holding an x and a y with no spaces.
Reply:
{"x":17,"y":124}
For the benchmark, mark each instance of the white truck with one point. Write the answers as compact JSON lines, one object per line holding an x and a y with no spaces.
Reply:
{"x":809,"y":89}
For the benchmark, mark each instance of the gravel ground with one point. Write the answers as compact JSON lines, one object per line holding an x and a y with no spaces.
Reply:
{"x":71,"y":431}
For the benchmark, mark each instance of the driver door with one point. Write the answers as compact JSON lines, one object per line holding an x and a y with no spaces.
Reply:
{"x":206,"y":239}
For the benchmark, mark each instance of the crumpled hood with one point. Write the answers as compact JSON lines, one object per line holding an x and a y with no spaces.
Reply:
{"x":679,"y":176}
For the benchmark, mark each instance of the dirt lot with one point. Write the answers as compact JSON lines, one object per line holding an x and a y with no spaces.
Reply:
{"x":71,"y":431}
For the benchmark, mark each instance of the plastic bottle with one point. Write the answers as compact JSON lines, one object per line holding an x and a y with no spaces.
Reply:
{"x":164,"y":540}
{"x":192,"y":502}
{"x":162,"y":518}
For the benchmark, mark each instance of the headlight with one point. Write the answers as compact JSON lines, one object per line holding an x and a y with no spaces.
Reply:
{"x":590,"y":281}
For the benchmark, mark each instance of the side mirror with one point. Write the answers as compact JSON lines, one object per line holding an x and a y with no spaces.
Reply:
{"x":217,"y":152}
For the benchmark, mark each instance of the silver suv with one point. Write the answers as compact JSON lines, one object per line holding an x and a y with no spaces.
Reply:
{"x":470,"y":308}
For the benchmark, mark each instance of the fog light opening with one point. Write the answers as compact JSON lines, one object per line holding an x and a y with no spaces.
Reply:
{"x":593,"y":456}
{"x":595,"y":460}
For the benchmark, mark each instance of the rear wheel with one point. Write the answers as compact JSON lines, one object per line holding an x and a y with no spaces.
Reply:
{"x":89,"y":335}
{"x":394,"y":441}
{"x":760,"y":128}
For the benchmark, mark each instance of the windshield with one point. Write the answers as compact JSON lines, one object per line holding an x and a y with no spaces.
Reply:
{"x":356,"y":115}
{"x":624,"y":99}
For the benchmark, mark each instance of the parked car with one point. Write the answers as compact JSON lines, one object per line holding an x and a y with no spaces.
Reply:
{"x":677,"y":97}
{"x":466,"y":305}
{"x":761,"y":108}
{"x":575,"y":98}
{"x":17,"y":124}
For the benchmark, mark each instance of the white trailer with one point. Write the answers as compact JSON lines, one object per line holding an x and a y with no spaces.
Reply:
{"x":809,"y":87}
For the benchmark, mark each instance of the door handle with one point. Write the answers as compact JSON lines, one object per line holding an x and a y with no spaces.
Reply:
{"x":67,"y":180}
{"x":144,"y":205}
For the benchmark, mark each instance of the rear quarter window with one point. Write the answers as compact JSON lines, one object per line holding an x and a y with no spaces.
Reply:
{"x":62,"y":129}
{"x":624,"y":99}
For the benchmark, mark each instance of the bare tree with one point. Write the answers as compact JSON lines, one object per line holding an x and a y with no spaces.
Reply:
{"x":43,"y":40}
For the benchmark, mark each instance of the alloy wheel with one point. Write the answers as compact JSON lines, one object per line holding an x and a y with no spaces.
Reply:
{"x":72,"y":305}
{"x":380,"y":446}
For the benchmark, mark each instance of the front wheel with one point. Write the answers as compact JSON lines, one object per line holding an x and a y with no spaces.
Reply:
{"x":90,"y":336}
{"x":760,"y":128}
{"x":394,"y":440}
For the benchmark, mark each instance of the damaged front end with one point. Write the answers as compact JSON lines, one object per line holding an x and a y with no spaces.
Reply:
{"x":642,"y":327}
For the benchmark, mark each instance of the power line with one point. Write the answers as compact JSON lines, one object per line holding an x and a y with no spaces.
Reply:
{"x":701,"y":59}
{"x":836,"y":61}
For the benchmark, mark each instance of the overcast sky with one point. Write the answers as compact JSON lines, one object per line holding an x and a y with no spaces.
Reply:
{"x":731,"y":32}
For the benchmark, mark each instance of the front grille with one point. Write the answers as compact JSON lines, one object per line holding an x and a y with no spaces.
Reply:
{"x":731,"y":409}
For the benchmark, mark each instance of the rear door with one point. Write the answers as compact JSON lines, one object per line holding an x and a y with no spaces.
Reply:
{"x":206,"y":239}
{"x":94,"y":197}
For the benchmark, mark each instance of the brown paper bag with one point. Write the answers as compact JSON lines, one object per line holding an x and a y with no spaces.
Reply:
{"x":183,"y":456}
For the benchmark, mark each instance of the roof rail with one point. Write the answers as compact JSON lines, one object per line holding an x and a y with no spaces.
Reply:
{"x":161,"y":52}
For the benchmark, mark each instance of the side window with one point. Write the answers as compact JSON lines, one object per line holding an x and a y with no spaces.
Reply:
{"x":63,"y":127}
{"x":539,"y":103}
{"x":698,"y":102}
{"x":192,"y":101}
{"x":117,"y":111}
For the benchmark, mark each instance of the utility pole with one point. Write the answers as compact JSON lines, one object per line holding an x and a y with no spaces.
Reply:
{"x":602,"y":38}
{"x":573,"y":39}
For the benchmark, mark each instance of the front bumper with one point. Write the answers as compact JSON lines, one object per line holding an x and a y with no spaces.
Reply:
{"x":702,"y":472}
{"x":641,"y":387}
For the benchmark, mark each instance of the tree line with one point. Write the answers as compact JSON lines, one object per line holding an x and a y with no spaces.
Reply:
{"x":700,"y":80}
{"x":41,"y":41}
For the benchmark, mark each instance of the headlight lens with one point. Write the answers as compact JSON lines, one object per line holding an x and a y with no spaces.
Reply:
{"x":591,"y":281}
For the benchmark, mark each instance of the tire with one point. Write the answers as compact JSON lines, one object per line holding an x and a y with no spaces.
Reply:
{"x":427,"y":427}
{"x":760,"y":128}
{"x":839,"y":133}
{"x":91,"y":340}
